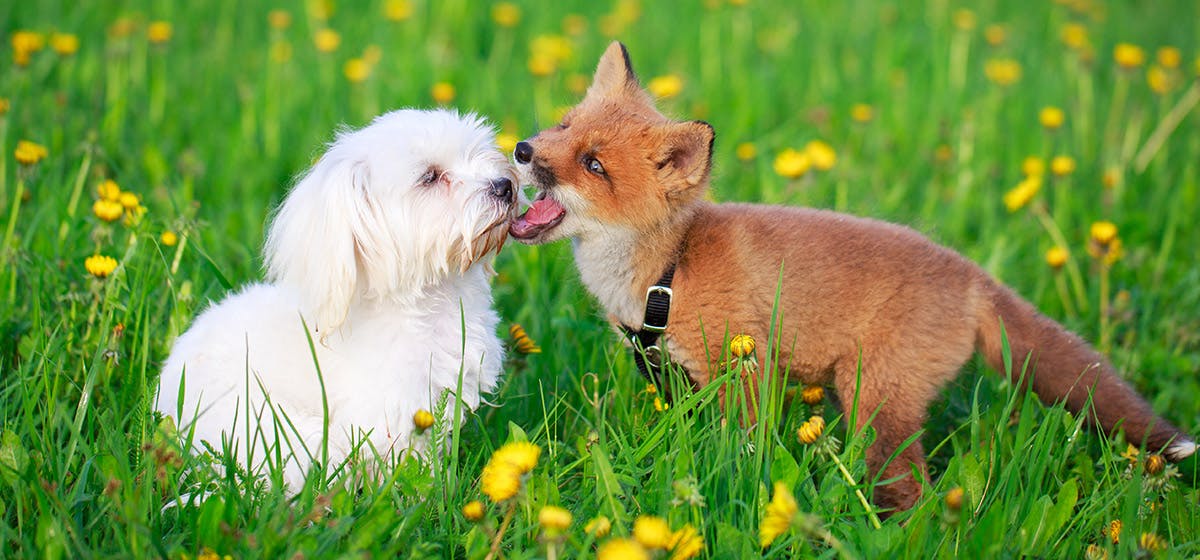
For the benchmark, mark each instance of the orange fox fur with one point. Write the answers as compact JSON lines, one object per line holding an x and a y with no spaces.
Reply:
{"x":626,"y":185}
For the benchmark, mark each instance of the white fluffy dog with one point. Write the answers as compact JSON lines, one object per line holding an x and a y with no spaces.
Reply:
{"x":383,"y":250}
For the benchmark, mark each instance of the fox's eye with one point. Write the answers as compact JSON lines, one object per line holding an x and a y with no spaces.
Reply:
{"x":430,"y":176}
{"x":594,"y":166}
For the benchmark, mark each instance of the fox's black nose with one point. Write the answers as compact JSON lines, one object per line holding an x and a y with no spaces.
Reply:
{"x":502,"y":188}
{"x":523,"y":152}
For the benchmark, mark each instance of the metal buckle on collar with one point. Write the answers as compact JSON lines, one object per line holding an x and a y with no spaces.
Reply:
{"x":649,"y":292}
{"x":653,"y":355}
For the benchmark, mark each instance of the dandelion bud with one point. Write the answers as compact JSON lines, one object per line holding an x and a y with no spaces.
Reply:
{"x":423,"y":419}
{"x":812,"y":394}
{"x":810,"y":431}
{"x":741,"y":346}
{"x":473,"y":511}
{"x":598,"y":527}
{"x":554,"y":519}
{"x":954,"y":498}
{"x":1155,"y":464}
{"x":1113,"y":531}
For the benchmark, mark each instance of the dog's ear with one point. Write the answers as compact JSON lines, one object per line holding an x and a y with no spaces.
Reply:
{"x":614,"y":72}
{"x":684,"y":158}
{"x":324,"y":228}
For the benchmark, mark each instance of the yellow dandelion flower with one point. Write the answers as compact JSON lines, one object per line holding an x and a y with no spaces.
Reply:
{"x":651,"y":389}
{"x":1002,"y":71}
{"x":821,"y":155}
{"x":159,"y":32}
{"x":30,"y":153}
{"x":1074,"y":35}
{"x":791,"y":163}
{"x":100,"y":266}
{"x":1061,"y":166}
{"x":995,"y":34}
{"x":521,"y":341}
{"x":812,"y":394}
{"x":28,"y":41}
{"x":665,"y":87}
{"x":686,"y":543}
{"x":1155,"y":464}
{"x":554,"y":519}
{"x":964,"y":19}
{"x":442,"y":93}
{"x":1151,"y":542}
{"x":1113,"y":531}
{"x":109,"y":190}
{"x":279,"y":19}
{"x":108,"y":210}
{"x":660,"y":406}
{"x":1056,"y":257}
{"x":473,"y":511}
{"x":1051,"y":118}
{"x":1033,"y":166}
{"x":1159,"y":80}
{"x":1103,"y":232}
{"x":506,"y":14}
{"x":327,"y":40}
{"x":422,"y":419}
{"x":499,"y":481}
{"x":574,"y":24}
{"x":862,"y":113}
{"x":746,"y":151}
{"x":522,"y":455}
{"x":122,"y":27}
{"x":4,"y":106}
{"x":281,"y":51}
{"x":810,"y":431}
{"x":598,"y":527}
{"x":542,"y":65}
{"x":356,"y":70}
{"x":129,"y":200}
{"x":1168,"y":57}
{"x":780,"y":515}
{"x":741,"y":346}
{"x":1024,"y":192}
{"x":954,"y":498}
{"x":169,"y":238}
{"x":398,"y":10}
{"x":652,"y":532}
{"x":507,"y":143}
{"x":555,"y":46}
{"x":1128,"y":55}
{"x":65,"y":44}
{"x":622,"y":549}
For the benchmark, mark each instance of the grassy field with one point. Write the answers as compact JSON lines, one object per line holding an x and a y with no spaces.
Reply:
{"x":205,"y":111}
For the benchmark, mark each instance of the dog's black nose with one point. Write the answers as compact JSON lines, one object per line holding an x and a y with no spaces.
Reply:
{"x":502,"y":188}
{"x":523,"y":152}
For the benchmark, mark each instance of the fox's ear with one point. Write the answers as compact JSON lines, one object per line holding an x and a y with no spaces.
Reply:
{"x":685,"y":157}
{"x":614,"y":72}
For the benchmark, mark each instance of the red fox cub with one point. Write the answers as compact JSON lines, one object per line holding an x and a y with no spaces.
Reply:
{"x":626,"y":185}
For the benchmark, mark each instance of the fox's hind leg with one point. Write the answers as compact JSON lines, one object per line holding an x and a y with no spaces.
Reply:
{"x":898,"y":400}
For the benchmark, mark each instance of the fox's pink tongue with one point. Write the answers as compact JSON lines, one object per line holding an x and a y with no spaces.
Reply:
{"x":543,"y":212}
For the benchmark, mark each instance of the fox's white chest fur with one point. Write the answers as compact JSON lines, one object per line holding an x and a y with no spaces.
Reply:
{"x":605,"y":261}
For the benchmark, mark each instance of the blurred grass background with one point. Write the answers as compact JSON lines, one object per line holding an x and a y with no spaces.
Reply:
{"x":206,"y":111}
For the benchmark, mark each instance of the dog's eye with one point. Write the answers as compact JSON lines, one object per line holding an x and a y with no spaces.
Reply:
{"x":430,"y":176}
{"x":594,"y":165}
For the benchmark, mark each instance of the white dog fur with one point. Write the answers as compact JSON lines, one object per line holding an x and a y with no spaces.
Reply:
{"x":384,"y":249}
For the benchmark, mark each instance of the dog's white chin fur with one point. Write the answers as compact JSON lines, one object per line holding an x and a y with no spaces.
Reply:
{"x":386,"y":270}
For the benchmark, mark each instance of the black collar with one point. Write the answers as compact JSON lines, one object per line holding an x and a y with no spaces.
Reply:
{"x":647,"y":353}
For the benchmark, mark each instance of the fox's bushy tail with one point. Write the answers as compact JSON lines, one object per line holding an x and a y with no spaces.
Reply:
{"x":1062,"y":367}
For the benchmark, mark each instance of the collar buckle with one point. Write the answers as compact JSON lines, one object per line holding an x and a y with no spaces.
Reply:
{"x":664,"y":294}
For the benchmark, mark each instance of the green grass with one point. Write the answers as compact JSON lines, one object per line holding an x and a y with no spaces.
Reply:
{"x":209,"y":131}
